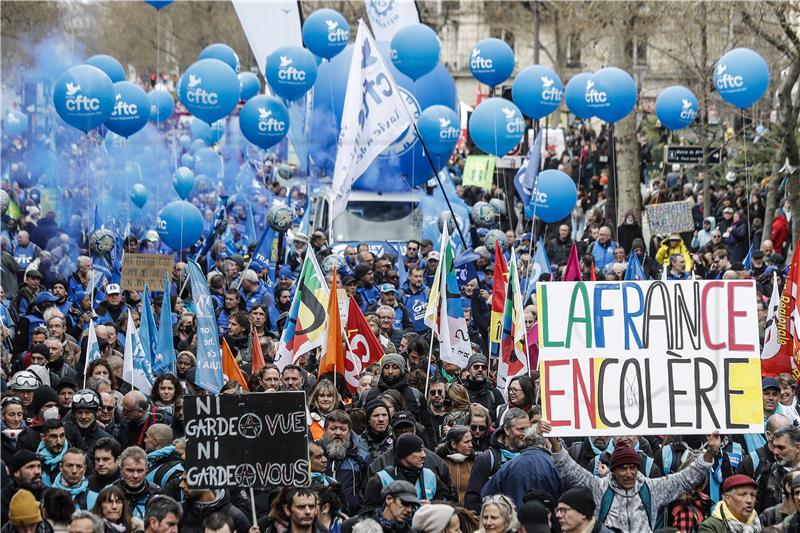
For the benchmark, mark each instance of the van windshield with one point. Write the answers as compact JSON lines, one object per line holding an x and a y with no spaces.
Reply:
{"x":378,"y":221}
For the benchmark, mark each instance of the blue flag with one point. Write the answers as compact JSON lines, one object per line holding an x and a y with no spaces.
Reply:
{"x":147,"y":326}
{"x":165,"y":359}
{"x":97,"y":221}
{"x":218,"y":227}
{"x":400,"y":266}
{"x":749,"y":258}
{"x":208,"y":375}
{"x":250,"y":233}
{"x":634,"y":272}
{"x":525,"y":179}
{"x":541,"y":265}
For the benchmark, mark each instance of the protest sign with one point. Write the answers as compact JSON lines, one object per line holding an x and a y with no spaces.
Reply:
{"x":139,"y":270}
{"x":650,"y":357}
{"x":670,"y":217}
{"x":253,"y":440}
{"x":478,"y":171}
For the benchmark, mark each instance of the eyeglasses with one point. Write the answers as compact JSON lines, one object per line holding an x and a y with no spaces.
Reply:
{"x":108,"y":408}
{"x":477,"y":427}
{"x":562,"y":510}
{"x":478,"y":366}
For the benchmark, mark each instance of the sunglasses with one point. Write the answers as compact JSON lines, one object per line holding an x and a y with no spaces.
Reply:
{"x":477,"y":427}
{"x":478,"y":366}
{"x":108,"y":408}
{"x":434,"y":392}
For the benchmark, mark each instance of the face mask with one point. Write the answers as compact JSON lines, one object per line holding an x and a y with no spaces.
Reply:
{"x":51,"y":413}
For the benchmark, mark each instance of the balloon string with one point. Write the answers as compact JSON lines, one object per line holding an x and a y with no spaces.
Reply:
{"x":747,"y":182}
{"x":158,"y":132}
{"x":330,"y":91}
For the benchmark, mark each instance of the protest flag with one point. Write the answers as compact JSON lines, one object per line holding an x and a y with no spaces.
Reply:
{"x":365,"y":131}
{"x":540,"y":265}
{"x":250,"y":227}
{"x":573,"y":270}
{"x":332,"y":357}
{"x":92,"y":350}
{"x":255,"y":350}
{"x":782,"y":350}
{"x":748,"y":260}
{"x":634,"y":272}
{"x":363,"y":347}
{"x":499,"y":282}
{"x":305,"y":327}
{"x":208,"y":375}
{"x":400,"y":266}
{"x":147,"y":327}
{"x":445,"y":314}
{"x":230,"y":370}
{"x":137,"y":368}
{"x":525,"y":178}
{"x":513,"y":359}
{"x":165,"y":359}
{"x":771,"y":347}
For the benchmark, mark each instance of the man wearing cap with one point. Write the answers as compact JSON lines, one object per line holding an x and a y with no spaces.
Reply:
{"x":398,"y":502}
{"x":627,"y":500}
{"x":478,"y":386}
{"x":409,"y":454}
{"x":736,"y":512}
{"x":674,"y":245}
{"x":770,"y":394}
{"x":24,"y":515}
{"x":394,"y":376}
{"x":402,"y":318}
{"x":431,"y":263}
{"x":113,"y":309}
{"x":575,"y":512}
{"x":25,"y":468}
{"x":32,"y":318}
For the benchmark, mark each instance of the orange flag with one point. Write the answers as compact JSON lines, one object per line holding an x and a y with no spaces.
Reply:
{"x":230,"y":370}
{"x":332,"y":359}
{"x":255,"y":350}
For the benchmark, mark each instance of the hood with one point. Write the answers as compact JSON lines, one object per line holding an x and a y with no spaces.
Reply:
{"x":713,"y":222}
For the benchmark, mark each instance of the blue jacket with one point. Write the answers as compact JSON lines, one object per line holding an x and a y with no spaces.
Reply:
{"x":351,"y":473}
{"x":603,"y":255}
{"x":532,"y":469}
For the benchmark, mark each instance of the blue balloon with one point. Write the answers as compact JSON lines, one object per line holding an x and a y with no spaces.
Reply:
{"x":210,"y":134}
{"x":187,"y":160}
{"x":159,"y":4}
{"x":496,"y":126}
{"x":15,"y":123}
{"x":537,"y":91}
{"x":291,"y":71}
{"x":415,"y":50}
{"x":440,"y":129}
{"x":138,"y":195}
{"x":131,"y":109}
{"x":185,"y":141}
{"x":84,"y":97}
{"x":491,"y":61}
{"x":741,"y":77}
{"x":554,"y":196}
{"x":197,"y":145}
{"x":264,"y":121}
{"x":575,"y":95}
{"x":207,"y":161}
{"x":404,"y":160}
{"x":676,"y":107}
{"x":109,"y":65}
{"x":250,"y":85}
{"x":209,"y":89}
{"x":179,"y":224}
{"x":326,"y":32}
{"x":223,"y":52}
{"x":611,"y":94}
{"x":183,"y":181}
{"x":161,"y":105}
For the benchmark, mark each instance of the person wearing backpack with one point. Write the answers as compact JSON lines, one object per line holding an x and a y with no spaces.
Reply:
{"x":626,"y":500}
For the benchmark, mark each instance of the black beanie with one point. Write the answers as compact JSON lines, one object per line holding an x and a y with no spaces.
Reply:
{"x":375,"y":404}
{"x":41,"y":396}
{"x":20,"y":459}
{"x":580,"y":499}
{"x":407,"y":444}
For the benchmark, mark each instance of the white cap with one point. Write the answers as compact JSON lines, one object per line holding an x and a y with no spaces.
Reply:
{"x":113,"y":288}
{"x":151,"y":235}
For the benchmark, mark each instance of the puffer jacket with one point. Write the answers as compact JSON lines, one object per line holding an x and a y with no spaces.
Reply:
{"x":627,"y":512}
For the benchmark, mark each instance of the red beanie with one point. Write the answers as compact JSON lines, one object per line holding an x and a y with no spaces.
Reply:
{"x":625,"y":455}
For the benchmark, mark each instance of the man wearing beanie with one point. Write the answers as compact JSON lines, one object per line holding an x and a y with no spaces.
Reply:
{"x":24,"y":515}
{"x":409,"y":454}
{"x":478,"y":386}
{"x":575,"y":512}
{"x":626,"y":499}
{"x":378,"y":434}
{"x":435,"y":518}
{"x":25,"y":468}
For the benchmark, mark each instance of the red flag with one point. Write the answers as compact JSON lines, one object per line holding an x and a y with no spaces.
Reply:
{"x":499,"y":283}
{"x":593,"y":275}
{"x":363,"y":346}
{"x":787,"y":322}
{"x":255,"y":350}
{"x":573,"y":270}
{"x":332,"y":359}
{"x":230,"y":370}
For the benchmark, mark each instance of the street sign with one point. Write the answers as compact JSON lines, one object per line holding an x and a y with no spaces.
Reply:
{"x":690,"y":155}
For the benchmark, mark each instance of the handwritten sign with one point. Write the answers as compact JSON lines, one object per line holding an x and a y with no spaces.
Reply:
{"x":670,"y":217}
{"x":139,"y":270}
{"x":650,"y":357}
{"x":253,"y":440}
{"x":479,"y":171}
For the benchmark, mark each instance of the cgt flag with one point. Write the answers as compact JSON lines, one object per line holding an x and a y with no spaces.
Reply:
{"x":374,"y":115}
{"x":513,"y":360}
{"x":363,"y":347}
{"x":781,"y":352}
{"x":305,"y":328}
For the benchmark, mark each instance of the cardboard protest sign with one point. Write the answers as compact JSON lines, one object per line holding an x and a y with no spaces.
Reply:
{"x":139,"y":270}
{"x":253,"y":440}
{"x":479,"y":171}
{"x":669,"y":217}
{"x":650,"y":357}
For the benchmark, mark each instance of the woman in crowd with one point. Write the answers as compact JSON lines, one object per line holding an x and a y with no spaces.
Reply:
{"x":521,"y":393}
{"x":12,"y":424}
{"x":112,"y":506}
{"x":166,"y":389}
{"x":323,"y":401}
{"x":459,"y":455}
{"x":498,"y":515}
{"x":459,"y":406}
{"x":480,"y":425}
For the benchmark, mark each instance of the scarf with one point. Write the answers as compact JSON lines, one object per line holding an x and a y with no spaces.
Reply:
{"x":458,"y":457}
{"x":508,"y":454}
{"x":319,"y":478}
{"x":597,"y":451}
{"x":386,"y":524}
{"x":52,"y":461}
{"x":73,"y":491}
{"x":115,"y":527}
{"x":154,"y":456}
{"x":722,"y":512}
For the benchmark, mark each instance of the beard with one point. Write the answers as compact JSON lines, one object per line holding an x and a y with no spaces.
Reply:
{"x":392,"y":380}
{"x":336,"y":449}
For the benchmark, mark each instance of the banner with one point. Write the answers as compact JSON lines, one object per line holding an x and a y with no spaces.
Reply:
{"x":140,"y":270}
{"x":225,"y":436}
{"x":478,"y":171}
{"x":669,"y":217}
{"x":781,"y":351}
{"x":208,"y":375}
{"x":387,"y":18}
{"x":650,"y":357}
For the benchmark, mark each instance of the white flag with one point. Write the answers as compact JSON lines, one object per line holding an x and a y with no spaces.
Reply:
{"x":92,"y":350}
{"x":771,"y":346}
{"x":373,"y":117}
{"x":387,"y":18}
{"x":136,"y":367}
{"x":283,"y":17}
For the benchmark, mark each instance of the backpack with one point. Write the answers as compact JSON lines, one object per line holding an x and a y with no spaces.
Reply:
{"x":608,"y":499}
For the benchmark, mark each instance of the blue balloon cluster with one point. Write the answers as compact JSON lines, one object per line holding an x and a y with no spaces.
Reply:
{"x":210,"y":133}
{"x":326,"y":32}
{"x":264,"y":121}
{"x":161,"y":105}
{"x":537,"y":91}
{"x":131,"y":109}
{"x":575,"y":95}
{"x":491,"y":61}
{"x":84,"y":97}
{"x":741,"y":77}
{"x":415,"y":50}
{"x":291,"y":71}
{"x":179,"y":224}
{"x":223,"y":52}
{"x":109,"y":65}
{"x":554,"y":196}
{"x":250,"y":85}
{"x":496,"y":126}
{"x":209,"y":89}
{"x":676,"y":107}
{"x":611,"y":94}
{"x":439,"y":127}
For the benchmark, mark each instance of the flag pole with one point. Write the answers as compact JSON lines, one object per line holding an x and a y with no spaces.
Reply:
{"x":430,"y":356}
